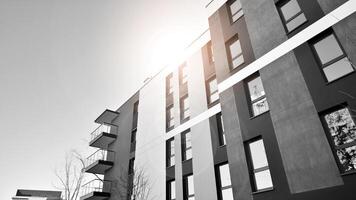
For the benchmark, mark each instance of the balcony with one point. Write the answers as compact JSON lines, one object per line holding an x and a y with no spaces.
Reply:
{"x":107,"y":117}
{"x":104,"y":135}
{"x":96,"y":190}
{"x":100,"y":161}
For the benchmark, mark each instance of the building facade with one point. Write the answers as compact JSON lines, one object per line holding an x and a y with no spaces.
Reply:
{"x":263,"y":107}
{"x":22,"y":194}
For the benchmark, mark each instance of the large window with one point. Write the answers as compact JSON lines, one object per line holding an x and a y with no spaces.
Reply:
{"x":170,"y":152}
{"x":257,"y":96}
{"x":342,"y":136}
{"x":184,"y":108}
{"x":221,"y":129}
{"x":291,"y":14}
{"x":212,"y":90}
{"x":183,"y":74}
{"x":332,"y":58}
{"x":224,"y":184}
{"x":188,"y":188}
{"x":170,"y":117}
{"x":171,"y":190}
{"x":235,"y":55}
{"x":169,"y":84}
{"x":258,"y":164}
{"x":186,"y":145}
{"x":235,"y":10}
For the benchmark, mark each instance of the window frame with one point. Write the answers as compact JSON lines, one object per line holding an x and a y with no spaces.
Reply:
{"x":219,"y":186}
{"x":279,"y":6}
{"x":248,"y":94}
{"x":184,"y":147}
{"x":183,"y":79}
{"x":330,"y":139}
{"x":221,"y":129}
{"x":321,"y":37}
{"x":131,"y":168}
{"x":186,"y":195}
{"x":251,"y":169}
{"x":169,"y":86}
{"x":183,"y":110}
{"x":169,"y":189}
{"x":231,"y":41}
{"x":230,"y":14}
{"x":208,"y":91}
{"x":169,"y":154}
{"x":169,"y":117}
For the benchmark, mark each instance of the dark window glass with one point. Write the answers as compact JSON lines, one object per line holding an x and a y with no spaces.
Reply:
{"x":131,"y":165}
{"x":133,"y":136}
{"x":221,"y":129}
{"x":332,"y":58}
{"x":342,"y":133}
{"x":259,"y":168}
{"x":292,"y":15}
{"x":257,"y":96}
{"x":186,"y":145}
{"x":170,"y":152}
{"x":188,"y":188}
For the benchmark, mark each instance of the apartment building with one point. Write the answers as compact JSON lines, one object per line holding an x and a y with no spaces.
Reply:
{"x":263,"y":107}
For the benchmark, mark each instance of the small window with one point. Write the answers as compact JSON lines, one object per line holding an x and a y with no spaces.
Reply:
{"x":170,"y":152}
{"x":235,"y":10}
{"x":259,"y":169}
{"x":235,"y":55}
{"x":183,"y":72}
{"x":292,"y":14}
{"x":221,"y":129}
{"x":133,"y":136}
{"x":257,"y":96}
{"x":170,"y":117}
{"x":224,"y":183}
{"x":332,"y":58}
{"x":212,"y":87}
{"x":169,"y":83}
{"x":211,"y":52}
{"x":186,"y":145}
{"x":188,"y":188}
{"x":131,"y":166}
{"x":184,"y":108}
{"x":171,"y":190}
{"x":342,"y":136}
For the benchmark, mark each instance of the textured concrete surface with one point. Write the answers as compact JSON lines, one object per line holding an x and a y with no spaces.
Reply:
{"x":297,"y":126}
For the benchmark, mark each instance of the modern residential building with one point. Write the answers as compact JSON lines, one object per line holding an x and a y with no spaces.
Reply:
{"x":262,"y":107}
{"x":37,"y":195}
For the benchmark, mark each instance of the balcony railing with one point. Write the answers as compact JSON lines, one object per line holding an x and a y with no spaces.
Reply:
{"x":103,"y":128}
{"x":104,"y":155}
{"x":96,"y":186}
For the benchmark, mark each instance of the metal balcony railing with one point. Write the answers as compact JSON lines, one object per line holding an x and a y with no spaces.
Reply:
{"x":96,"y":185}
{"x":105,"y":155}
{"x":106,"y":128}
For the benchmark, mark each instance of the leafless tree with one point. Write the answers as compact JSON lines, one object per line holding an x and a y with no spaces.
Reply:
{"x":71,"y":176}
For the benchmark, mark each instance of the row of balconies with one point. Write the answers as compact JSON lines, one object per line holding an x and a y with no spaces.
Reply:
{"x":102,"y":159}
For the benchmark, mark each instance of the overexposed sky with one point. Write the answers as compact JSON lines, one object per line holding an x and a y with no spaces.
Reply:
{"x":62,"y":62}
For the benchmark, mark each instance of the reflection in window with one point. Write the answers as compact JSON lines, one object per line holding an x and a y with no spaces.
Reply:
{"x":259,"y":168}
{"x":235,"y":53}
{"x":334,"y":62}
{"x":292,"y":14}
{"x":235,"y":10}
{"x":170,"y":152}
{"x":188,"y":187}
{"x":224,"y":184}
{"x":186,"y":145}
{"x":342,"y":131}
{"x":257,"y":96}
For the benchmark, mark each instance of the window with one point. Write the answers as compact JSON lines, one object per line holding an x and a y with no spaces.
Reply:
{"x":131,"y":165}
{"x":170,"y":117}
{"x":188,"y":188}
{"x":221,"y":129}
{"x":235,"y":53}
{"x":342,"y":136}
{"x":135,"y":115}
{"x":332,"y":58}
{"x":292,"y":14}
{"x":133,"y":136}
{"x":257,"y":96}
{"x":235,"y":10}
{"x":184,"y":108}
{"x":211,"y":52}
{"x":224,"y":183}
{"x":212,"y":87}
{"x":171,"y":190}
{"x":183,"y":71}
{"x":186,"y":145}
{"x":170,"y":152}
{"x":169,"y":83}
{"x":259,"y":169}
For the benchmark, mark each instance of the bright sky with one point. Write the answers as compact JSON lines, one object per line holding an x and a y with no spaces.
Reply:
{"x":62,"y":62}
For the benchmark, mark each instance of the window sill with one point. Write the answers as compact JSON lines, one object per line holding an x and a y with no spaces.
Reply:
{"x":170,"y":167}
{"x":221,"y":146}
{"x":348,"y":74}
{"x":263,"y":191}
{"x":348,"y":173}
{"x":253,"y":117}
{"x":184,"y":161}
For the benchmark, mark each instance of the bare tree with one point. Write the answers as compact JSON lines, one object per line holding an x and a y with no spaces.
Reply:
{"x":70,"y":178}
{"x":135,"y":186}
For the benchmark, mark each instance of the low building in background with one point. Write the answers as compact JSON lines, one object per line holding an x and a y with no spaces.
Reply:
{"x":37,"y":195}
